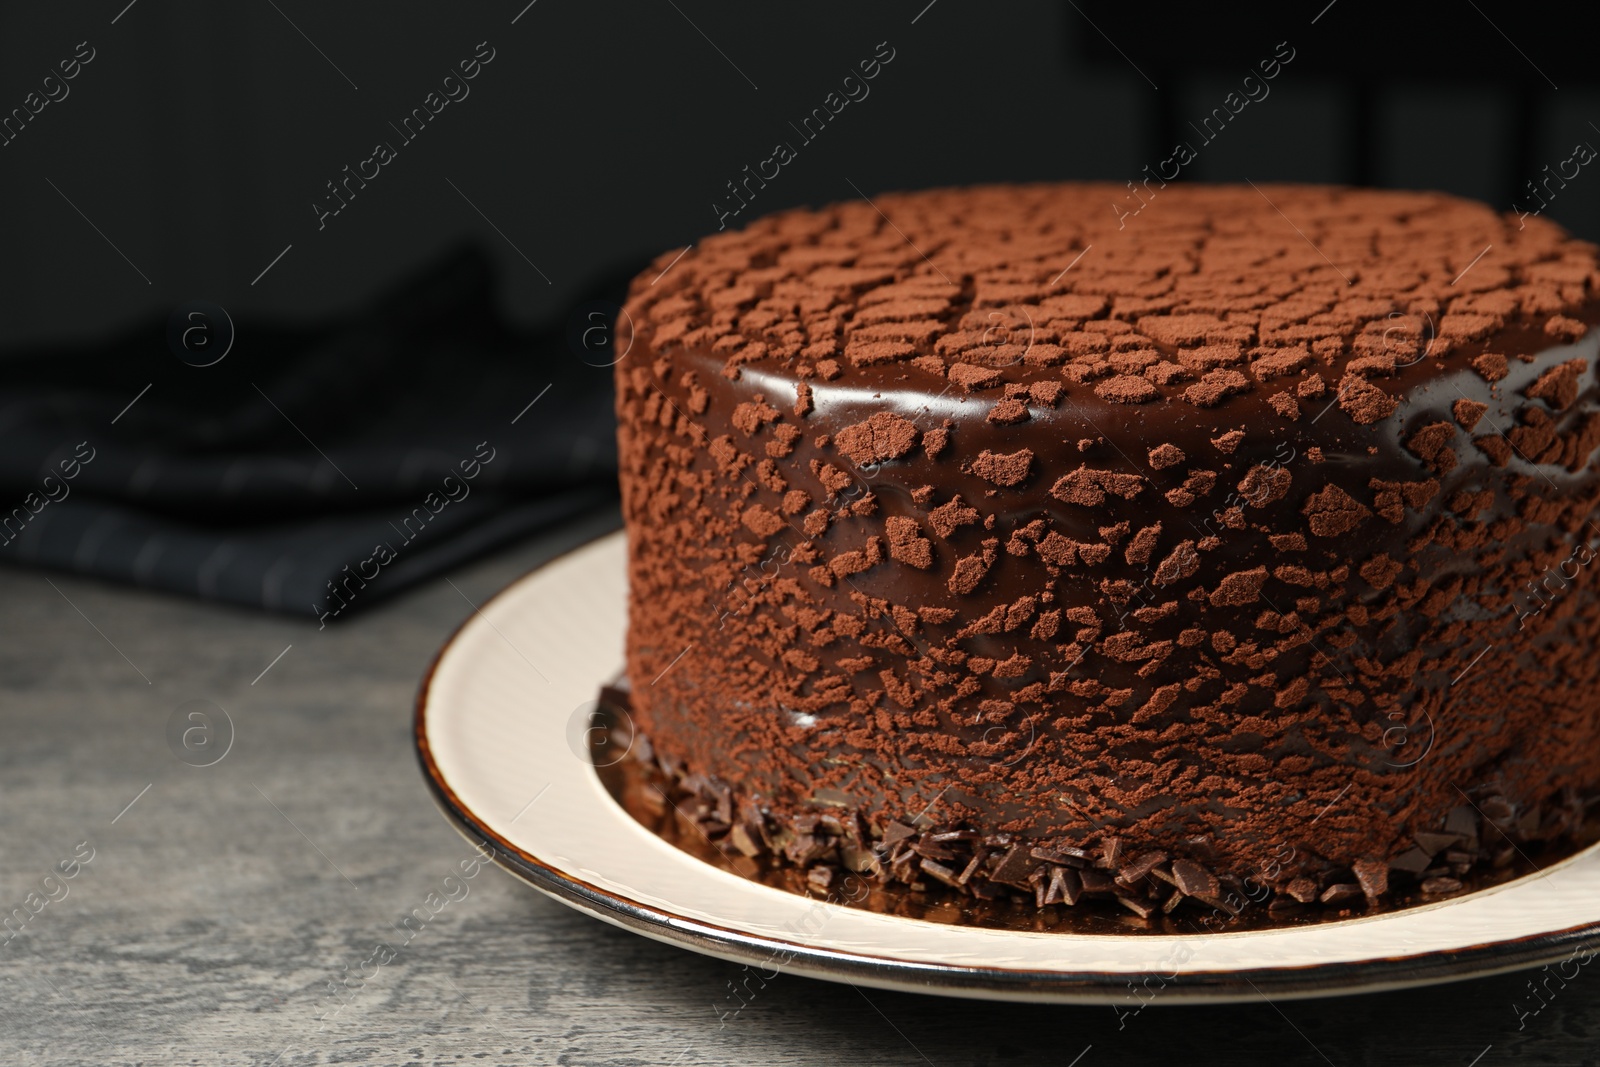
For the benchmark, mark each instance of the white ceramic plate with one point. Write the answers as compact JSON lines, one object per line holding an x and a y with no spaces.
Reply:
{"x":500,"y":724}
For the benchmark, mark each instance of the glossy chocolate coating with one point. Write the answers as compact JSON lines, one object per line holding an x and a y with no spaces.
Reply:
{"x":1337,"y":698}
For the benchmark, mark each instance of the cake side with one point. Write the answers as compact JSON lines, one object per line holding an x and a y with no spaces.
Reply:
{"x":1190,"y":565}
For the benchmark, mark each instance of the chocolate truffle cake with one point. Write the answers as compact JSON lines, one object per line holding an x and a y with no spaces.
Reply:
{"x":1234,"y":550}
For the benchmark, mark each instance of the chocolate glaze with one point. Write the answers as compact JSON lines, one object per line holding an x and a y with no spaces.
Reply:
{"x":783,"y":644}
{"x":672,"y":809}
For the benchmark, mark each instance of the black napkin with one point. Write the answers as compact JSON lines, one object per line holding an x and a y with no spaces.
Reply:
{"x":309,"y":470}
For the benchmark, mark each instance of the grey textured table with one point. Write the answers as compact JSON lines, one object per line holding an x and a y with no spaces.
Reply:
{"x":230,"y":914}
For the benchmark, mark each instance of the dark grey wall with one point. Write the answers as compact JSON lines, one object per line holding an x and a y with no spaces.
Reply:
{"x":201,"y":134}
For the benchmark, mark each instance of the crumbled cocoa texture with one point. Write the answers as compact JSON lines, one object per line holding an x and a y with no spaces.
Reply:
{"x":1209,"y":357}
{"x":968,"y":572}
{"x":906,"y":543}
{"x":1565,"y":327}
{"x":1282,"y":361}
{"x":1003,"y":469}
{"x":1333,"y":512}
{"x":1008,"y":411}
{"x":847,"y":563}
{"x":1285,"y":404}
{"x":1239,"y":589}
{"x":762,"y":521}
{"x":1182,"y":562}
{"x":1126,"y":389}
{"x":866,"y":353}
{"x":1058,"y":550}
{"x":1092,"y":554}
{"x":1046,"y":394}
{"x":971,"y":377}
{"x":1001,"y":608}
{"x":1214,"y":387}
{"x":1497,"y":448}
{"x":1365,"y":402}
{"x":832,"y":478}
{"x":1380,"y":571}
{"x":1166,"y":372}
{"x":785,"y":435}
{"x":1143,"y":544}
{"x":1166,"y":455}
{"x":1381,"y":366}
{"x":752,"y":415}
{"x":880,"y":437}
{"x":1468,"y":412}
{"x":1492,"y":366}
{"x":1264,"y":484}
{"x":1558,"y":386}
{"x":1088,"y":486}
{"x":951,"y":515}
{"x":1228,"y":442}
{"x":1432,"y":443}
{"x":1387,"y":500}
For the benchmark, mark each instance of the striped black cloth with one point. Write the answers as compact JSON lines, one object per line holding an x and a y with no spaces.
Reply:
{"x":311,"y":470}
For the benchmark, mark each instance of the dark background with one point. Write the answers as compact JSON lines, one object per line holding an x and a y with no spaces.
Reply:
{"x":202,"y":133}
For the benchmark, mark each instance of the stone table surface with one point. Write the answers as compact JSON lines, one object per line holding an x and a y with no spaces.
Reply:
{"x":230,"y":914}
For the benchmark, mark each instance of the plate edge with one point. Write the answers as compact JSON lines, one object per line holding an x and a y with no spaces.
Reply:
{"x":997,"y":983}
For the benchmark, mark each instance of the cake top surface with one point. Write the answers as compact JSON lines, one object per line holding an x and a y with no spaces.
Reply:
{"x":1182,"y":294}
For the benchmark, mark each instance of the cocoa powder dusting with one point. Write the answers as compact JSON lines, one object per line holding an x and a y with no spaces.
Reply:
{"x":883,"y":436}
{"x":1037,"y":618}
